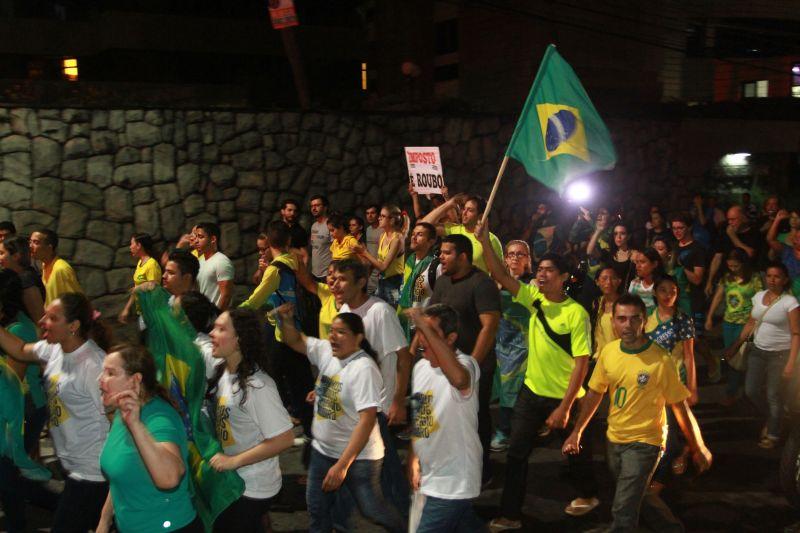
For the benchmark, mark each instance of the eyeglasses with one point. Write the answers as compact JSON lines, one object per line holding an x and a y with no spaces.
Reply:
{"x":517,"y":254}
{"x":383,"y":216}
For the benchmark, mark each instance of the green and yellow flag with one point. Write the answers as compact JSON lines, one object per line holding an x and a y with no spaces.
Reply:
{"x":560,"y":135}
{"x":12,"y":417}
{"x":181,"y":370}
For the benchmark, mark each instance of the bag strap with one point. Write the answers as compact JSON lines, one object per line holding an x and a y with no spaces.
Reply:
{"x":758,"y":324}
{"x":562,"y":340}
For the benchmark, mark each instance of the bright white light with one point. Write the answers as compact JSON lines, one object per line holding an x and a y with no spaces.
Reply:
{"x":735,"y":160}
{"x":167,"y":524}
{"x":578,"y":192}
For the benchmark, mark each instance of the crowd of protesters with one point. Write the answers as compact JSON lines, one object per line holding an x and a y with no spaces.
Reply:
{"x":386,"y":340}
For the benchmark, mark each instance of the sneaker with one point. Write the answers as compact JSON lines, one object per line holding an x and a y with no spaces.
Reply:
{"x":499,"y":442}
{"x":504,"y":524}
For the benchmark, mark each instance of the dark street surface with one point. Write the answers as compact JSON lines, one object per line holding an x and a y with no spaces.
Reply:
{"x":740,"y":493}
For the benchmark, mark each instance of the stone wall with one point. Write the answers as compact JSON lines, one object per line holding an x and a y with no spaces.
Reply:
{"x":97,"y":176}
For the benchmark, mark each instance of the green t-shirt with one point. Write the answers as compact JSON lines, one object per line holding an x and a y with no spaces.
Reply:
{"x":477,"y":247}
{"x":24,"y":328}
{"x":549,"y":366}
{"x":138,"y":505}
{"x":739,"y":299}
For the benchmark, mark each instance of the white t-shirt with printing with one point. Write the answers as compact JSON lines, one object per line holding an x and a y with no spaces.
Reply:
{"x":240,"y":427}
{"x":344,"y":388}
{"x":445,"y":431}
{"x":78,"y":423}
{"x":385,"y":334}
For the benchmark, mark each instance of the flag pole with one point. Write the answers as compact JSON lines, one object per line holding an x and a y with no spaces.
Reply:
{"x":494,"y":190}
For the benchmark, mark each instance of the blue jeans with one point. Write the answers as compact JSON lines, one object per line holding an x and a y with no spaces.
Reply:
{"x":363,"y":484}
{"x":632,"y":466}
{"x":730,"y":332}
{"x":440,"y":515}
{"x":394,"y":483}
{"x":765,"y":370}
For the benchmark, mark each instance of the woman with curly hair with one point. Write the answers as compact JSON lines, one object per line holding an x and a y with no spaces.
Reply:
{"x":251,"y":423}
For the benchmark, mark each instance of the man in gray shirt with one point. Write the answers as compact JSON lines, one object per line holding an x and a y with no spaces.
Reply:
{"x":373,"y":236}
{"x":320,"y":238}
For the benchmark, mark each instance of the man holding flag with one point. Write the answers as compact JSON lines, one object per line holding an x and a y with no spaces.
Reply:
{"x":559,"y":136}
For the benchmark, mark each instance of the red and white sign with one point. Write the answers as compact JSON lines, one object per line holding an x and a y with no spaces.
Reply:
{"x":425,"y":170}
{"x":282,"y":14}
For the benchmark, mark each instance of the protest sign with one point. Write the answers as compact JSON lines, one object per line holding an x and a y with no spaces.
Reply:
{"x":425,"y":169}
{"x":282,"y":14}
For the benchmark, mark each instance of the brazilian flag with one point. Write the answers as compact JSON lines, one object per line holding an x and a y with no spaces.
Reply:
{"x":560,"y":135}
{"x":181,"y":370}
{"x":12,"y":418}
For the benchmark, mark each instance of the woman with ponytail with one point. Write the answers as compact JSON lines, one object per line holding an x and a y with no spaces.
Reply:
{"x":72,"y":352}
{"x":147,"y":269}
{"x":146,"y":455}
{"x":391,"y":254}
{"x":347,"y":448}
{"x":251,"y":423}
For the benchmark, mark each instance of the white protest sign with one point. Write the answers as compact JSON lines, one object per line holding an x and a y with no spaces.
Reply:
{"x":425,"y":169}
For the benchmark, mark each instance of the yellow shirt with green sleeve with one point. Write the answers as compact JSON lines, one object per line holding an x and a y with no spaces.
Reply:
{"x":549,"y":366}
{"x":344,"y":249}
{"x":269,"y":284}
{"x":640,"y":384}
{"x":477,"y":247}
{"x":328,"y":310}
{"x":150,"y":270}
{"x":61,"y":280}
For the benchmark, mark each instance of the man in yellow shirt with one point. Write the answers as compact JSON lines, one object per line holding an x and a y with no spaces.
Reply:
{"x":57,"y":275}
{"x":641,"y":380}
{"x":471,"y":214}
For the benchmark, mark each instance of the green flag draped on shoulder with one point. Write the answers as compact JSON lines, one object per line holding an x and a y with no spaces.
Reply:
{"x":559,"y":134}
{"x":12,"y":416}
{"x":181,"y":370}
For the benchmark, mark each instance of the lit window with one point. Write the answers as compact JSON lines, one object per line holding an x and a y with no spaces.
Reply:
{"x":796,"y":80}
{"x":363,"y":76}
{"x":69,"y":66}
{"x":755,"y":89}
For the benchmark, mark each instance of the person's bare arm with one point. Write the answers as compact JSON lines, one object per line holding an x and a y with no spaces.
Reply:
{"x":794,"y":325}
{"x":16,"y":348}
{"x":496,"y":268}
{"x":691,"y":430}
{"x":772,"y":234}
{"x":589,"y":405}
{"x":718,"y":295}
{"x":560,"y":416}
{"x":397,"y":411}
{"x":292,"y":338}
{"x":486,"y":336}
{"x":734,"y":237}
{"x":263,"y":450}
{"x":691,"y":369}
{"x":225,"y":294}
{"x":456,"y":374}
{"x":394,"y":249}
{"x":34,"y":303}
{"x":358,"y":439}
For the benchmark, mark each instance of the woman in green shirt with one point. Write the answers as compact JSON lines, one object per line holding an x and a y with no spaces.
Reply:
{"x":145,"y":455}
{"x":737,"y":288}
